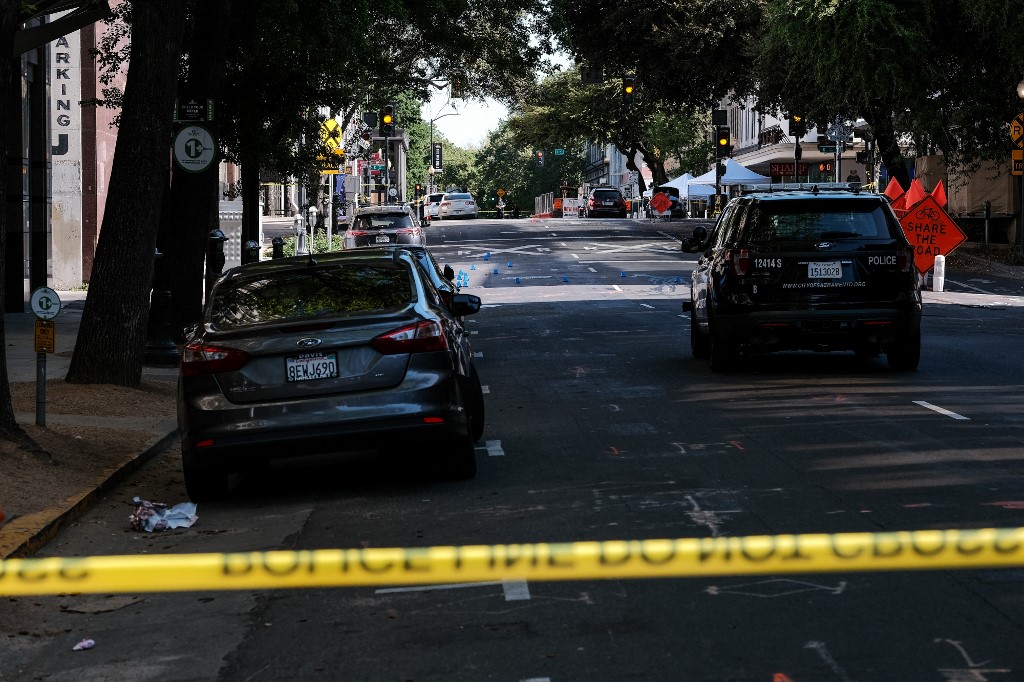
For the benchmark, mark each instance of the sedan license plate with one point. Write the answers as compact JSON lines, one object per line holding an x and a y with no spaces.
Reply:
{"x":310,"y":366}
{"x":383,"y":239}
{"x":825,"y":270}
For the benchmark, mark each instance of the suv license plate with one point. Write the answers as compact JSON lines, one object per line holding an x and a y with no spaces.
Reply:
{"x":827,"y":270}
{"x":383,"y":239}
{"x":311,"y":366}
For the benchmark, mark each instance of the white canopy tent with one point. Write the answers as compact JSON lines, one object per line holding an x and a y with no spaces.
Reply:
{"x":735,"y":174}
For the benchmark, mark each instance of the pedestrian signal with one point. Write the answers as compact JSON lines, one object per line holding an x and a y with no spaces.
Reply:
{"x":540,"y":157}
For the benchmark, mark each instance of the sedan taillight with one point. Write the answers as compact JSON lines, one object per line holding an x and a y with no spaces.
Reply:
{"x":198,"y":358}
{"x":423,"y":337}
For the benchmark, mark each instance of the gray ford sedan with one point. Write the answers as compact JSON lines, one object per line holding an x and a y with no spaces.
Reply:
{"x":346,"y":351}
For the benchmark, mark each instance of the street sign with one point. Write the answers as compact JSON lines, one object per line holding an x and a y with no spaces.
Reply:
{"x":1017,"y":131}
{"x":436,"y":156}
{"x":1017,"y":159}
{"x":559,"y":151}
{"x":194,"y":149}
{"x":660,"y":202}
{"x":827,"y":148}
{"x":193,"y":111}
{"x":500,"y":192}
{"x":931,"y":232}
{"x":45,"y":303}
{"x":330,"y":133}
{"x":46,"y":336}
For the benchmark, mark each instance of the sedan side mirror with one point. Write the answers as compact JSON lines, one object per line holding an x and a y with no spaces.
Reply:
{"x":465,"y":304}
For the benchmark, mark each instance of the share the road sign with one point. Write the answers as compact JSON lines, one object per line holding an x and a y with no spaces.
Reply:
{"x":931,"y":232}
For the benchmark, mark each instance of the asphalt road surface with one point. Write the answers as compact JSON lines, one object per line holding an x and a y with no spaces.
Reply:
{"x":600,"y":426}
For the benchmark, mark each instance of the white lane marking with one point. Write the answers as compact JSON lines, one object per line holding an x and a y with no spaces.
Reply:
{"x":631,"y":261}
{"x":978,"y":289}
{"x":827,"y":659}
{"x":561,"y":243}
{"x":494,"y":448}
{"x":485,"y":389}
{"x":941,"y":410}
{"x":646,"y":305}
{"x":516,"y":590}
{"x":771,"y":590}
{"x":616,"y":287}
{"x":576,"y":256}
{"x":427,"y":588}
{"x":592,"y":269}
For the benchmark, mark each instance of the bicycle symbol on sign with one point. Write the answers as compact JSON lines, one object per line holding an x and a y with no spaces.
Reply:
{"x":927,"y":212}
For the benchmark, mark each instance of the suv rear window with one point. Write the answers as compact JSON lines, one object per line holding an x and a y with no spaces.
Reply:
{"x":605,"y":194}
{"x":460,"y":196}
{"x":774,"y":221}
{"x":311,"y":293}
{"x":434,"y":198}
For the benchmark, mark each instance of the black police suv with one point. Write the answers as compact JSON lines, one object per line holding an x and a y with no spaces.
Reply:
{"x":805,"y":267}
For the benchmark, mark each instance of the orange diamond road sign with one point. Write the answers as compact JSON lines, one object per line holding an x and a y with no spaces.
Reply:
{"x":1017,"y":131}
{"x":660,"y":202}
{"x":931,"y":232}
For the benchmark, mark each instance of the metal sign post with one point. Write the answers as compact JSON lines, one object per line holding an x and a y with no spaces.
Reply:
{"x":46,"y":305}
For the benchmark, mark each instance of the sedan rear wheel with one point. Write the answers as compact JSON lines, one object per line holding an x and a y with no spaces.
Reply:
{"x":459,"y":461}
{"x":476,"y":407}
{"x":205,"y":484}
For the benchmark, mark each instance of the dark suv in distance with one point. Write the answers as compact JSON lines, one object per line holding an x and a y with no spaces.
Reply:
{"x":605,"y":201}
{"x":805,"y":268}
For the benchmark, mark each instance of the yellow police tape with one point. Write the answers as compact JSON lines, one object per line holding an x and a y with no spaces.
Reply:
{"x":768,"y":554}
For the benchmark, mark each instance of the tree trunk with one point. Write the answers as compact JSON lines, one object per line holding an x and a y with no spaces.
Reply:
{"x":631,"y":165}
{"x":656,"y":164}
{"x":193,"y":201}
{"x":112,"y":335}
{"x":9,"y":106}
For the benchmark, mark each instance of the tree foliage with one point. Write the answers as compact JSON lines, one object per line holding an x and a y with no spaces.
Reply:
{"x":941,"y":73}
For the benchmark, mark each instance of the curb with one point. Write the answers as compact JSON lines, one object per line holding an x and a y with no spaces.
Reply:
{"x":41,"y":527}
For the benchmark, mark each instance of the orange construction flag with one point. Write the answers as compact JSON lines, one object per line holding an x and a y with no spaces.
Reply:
{"x":893,"y":190}
{"x":916,"y":192}
{"x":939,"y":194}
{"x":900,"y":203}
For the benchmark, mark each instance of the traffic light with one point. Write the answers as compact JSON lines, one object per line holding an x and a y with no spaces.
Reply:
{"x":628,"y":89}
{"x":540,"y":157}
{"x":419,"y":190}
{"x":722,"y":138}
{"x":797,"y":125}
{"x":387,"y":120}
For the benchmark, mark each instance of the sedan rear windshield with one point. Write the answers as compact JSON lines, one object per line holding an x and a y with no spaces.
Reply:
{"x":311,"y":293}
{"x":778,"y":221}
{"x":382,"y":221}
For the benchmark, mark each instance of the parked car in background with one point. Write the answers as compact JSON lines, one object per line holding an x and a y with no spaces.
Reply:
{"x":457,"y":205}
{"x":383,"y":225}
{"x":351,"y":352}
{"x":607,"y":201}
{"x":676,"y":209}
{"x":807,"y":268}
{"x":432,"y":205}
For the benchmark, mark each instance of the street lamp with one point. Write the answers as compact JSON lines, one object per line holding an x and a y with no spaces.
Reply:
{"x":1020,"y":223}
